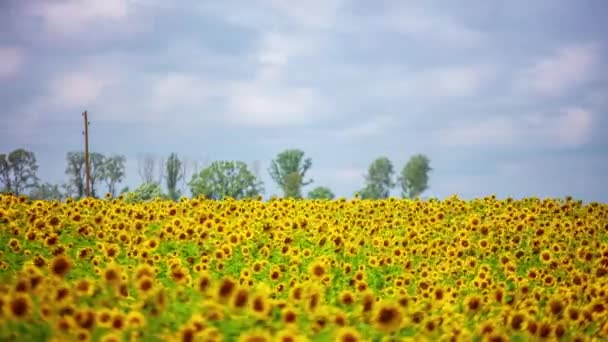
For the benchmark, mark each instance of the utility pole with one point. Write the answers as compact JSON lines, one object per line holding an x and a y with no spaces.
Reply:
{"x":86,"y":151}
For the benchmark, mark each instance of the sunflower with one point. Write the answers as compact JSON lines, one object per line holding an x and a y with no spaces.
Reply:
{"x":387,"y":317}
{"x":144,"y":270}
{"x":517,"y":321}
{"x":111,"y":337}
{"x":257,"y":335}
{"x":135,"y":320}
{"x":85,"y":318}
{"x":225,"y":289}
{"x":19,"y":306}
{"x":111,"y":251}
{"x":112,"y":274}
{"x":347,"y":297}
{"x":556,"y":307}
{"x":473,"y":304}
{"x":367,"y":302}
{"x":546,"y":257}
{"x":545,"y":330}
{"x":296,"y":293}
{"x":118,"y":322}
{"x":260,"y":305}
{"x":65,"y":324}
{"x":275,"y":273}
{"x":60,"y":266}
{"x":180,"y":275}
{"x":104,"y":318}
{"x":240,"y":298}
{"x":62,"y":295}
{"x":82,"y":335}
{"x":288,"y":335}
{"x":145,"y":285}
{"x":340,"y":319}
{"x":289,"y":315}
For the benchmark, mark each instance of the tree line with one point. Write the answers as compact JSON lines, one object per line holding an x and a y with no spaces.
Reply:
{"x":220,"y":179}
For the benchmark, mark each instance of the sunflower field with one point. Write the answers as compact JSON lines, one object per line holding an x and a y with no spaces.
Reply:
{"x":303,"y":270}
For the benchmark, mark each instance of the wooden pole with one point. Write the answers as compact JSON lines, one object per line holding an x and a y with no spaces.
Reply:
{"x":86,"y":152}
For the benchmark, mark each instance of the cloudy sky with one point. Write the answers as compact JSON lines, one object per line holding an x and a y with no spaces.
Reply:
{"x":505,"y":97}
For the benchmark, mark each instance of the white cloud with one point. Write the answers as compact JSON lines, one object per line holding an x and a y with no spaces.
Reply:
{"x":376,"y":126}
{"x":79,"y":88}
{"x":573,"y":127}
{"x":70,"y":16}
{"x":11,"y":60}
{"x":415,"y":22}
{"x":265,"y":103}
{"x":179,"y":89}
{"x":276,"y":49}
{"x":273,"y":14}
{"x":268,"y":100}
{"x":312,"y":14}
{"x":454,"y":81}
{"x":339,"y":175}
{"x":423,"y":86}
{"x":569,"y":128}
{"x":565,"y":69}
{"x":492,"y":131}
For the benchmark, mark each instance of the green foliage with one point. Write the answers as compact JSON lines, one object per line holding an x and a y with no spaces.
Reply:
{"x":46,"y":191}
{"x":226,"y":179}
{"x":143,"y":193}
{"x":113,"y":172}
{"x":5,"y":174}
{"x":288,"y":171}
{"x":96,"y":169}
{"x":174,"y":174}
{"x":321,"y":192}
{"x":293,"y":185}
{"x":379,"y":179}
{"x":18,"y":171}
{"x":110,"y":170}
{"x":414,"y":176}
{"x":76,"y":173}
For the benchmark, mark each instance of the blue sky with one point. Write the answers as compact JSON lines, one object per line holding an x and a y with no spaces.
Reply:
{"x":507,"y":98}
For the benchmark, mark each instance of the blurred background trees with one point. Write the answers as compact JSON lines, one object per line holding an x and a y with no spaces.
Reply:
{"x":235,"y":179}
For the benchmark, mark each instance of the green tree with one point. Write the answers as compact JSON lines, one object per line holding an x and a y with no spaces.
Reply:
{"x":46,"y":191}
{"x":97,"y":171}
{"x":113,"y":172}
{"x":288,"y":170}
{"x":75,"y":171}
{"x":5,"y":174}
{"x":143,"y":193}
{"x":226,"y":179}
{"x":321,"y":192}
{"x":293,"y":185}
{"x":18,"y":171}
{"x":415,"y":176}
{"x":175,"y":172}
{"x":379,"y":179}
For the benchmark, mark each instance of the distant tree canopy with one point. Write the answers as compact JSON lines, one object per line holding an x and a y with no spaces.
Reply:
{"x":47,"y":192}
{"x":226,"y":179}
{"x":221,"y":179}
{"x":143,"y":193}
{"x":379,"y":179}
{"x":321,"y":192}
{"x":113,"y":172}
{"x":174,"y":173}
{"x":288,"y":170}
{"x":415,"y":176}
{"x":18,"y":171}
{"x":110,"y":170}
